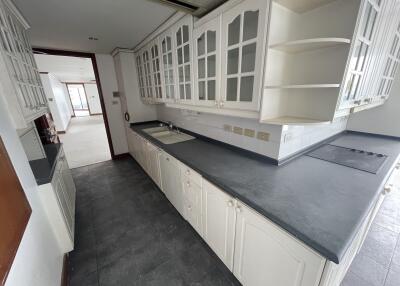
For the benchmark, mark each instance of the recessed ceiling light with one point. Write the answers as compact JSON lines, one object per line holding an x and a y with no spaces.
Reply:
{"x":93,"y":39}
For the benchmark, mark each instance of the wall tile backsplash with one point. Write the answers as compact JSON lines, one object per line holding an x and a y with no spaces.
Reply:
{"x":275,"y":141}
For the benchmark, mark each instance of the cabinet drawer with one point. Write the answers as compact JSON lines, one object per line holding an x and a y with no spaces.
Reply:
{"x":188,"y":173}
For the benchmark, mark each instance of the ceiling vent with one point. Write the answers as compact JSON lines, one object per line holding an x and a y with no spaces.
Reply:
{"x":197,"y":8}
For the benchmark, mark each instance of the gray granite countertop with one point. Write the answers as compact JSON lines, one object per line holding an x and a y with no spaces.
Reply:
{"x":43,"y":169}
{"x":321,"y":203}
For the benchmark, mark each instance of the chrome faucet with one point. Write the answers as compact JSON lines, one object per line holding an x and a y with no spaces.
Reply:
{"x":170,"y":125}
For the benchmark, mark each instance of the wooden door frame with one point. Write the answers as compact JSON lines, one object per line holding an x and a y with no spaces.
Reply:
{"x":84,"y":89}
{"x":97,"y":77}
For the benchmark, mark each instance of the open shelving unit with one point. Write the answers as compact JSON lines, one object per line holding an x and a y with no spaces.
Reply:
{"x":306,"y":60}
{"x":299,"y":46}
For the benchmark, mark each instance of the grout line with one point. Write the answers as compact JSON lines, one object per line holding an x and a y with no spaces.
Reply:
{"x":391,"y":259}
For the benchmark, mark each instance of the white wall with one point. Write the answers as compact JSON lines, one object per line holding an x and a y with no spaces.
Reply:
{"x":212,"y":126}
{"x":125,"y":66}
{"x":108,"y":80}
{"x":93,"y":98}
{"x":384,"y":119}
{"x":56,"y":96}
{"x":39,"y":258}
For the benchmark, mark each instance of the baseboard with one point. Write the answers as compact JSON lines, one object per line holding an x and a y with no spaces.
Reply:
{"x":64,"y":273}
{"x":121,"y":156}
{"x":96,"y":114}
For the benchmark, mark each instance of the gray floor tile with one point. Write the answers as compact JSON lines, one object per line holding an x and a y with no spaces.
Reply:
{"x":352,"y":279}
{"x":396,"y":254}
{"x":370,"y":270}
{"x":393,"y":277}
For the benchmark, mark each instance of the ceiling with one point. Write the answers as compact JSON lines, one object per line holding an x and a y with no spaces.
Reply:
{"x":67,"y":24}
{"x":66,"y":69}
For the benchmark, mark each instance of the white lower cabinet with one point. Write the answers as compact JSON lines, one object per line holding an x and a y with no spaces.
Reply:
{"x":266,"y":255}
{"x":218,"y":216}
{"x":58,"y":199}
{"x":192,"y":202}
{"x":153,"y":162}
{"x":171,"y":181}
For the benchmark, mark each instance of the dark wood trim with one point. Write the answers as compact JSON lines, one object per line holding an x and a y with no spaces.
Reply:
{"x":65,"y":272}
{"x":96,"y":114}
{"x":15,"y":212}
{"x":98,"y":83}
{"x":121,"y":156}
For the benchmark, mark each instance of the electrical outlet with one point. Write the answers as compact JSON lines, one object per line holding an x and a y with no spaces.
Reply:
{"x":238,"y":130}
{"x":264,"y":136}
{"x":227,"y":128}
{"x":249,"y":132}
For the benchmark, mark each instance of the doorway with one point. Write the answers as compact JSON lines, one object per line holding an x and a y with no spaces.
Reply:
{"x":87,"y":138}
{"x":78,"y":98}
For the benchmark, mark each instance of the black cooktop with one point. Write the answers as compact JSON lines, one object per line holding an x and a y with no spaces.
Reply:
{"x":357,"y":159}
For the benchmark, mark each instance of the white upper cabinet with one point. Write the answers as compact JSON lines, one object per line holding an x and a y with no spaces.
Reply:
{"x":267,"y":255}
{"x":207,"y":61}
{"x":355,"y":79}
{"x":243,"y":41}
{"x":155,"y":57}
{"x":148,"y":80}
{"x":141,"y":76}
{"x":168,"y":64}
{"x":24,"y":91}
{"x":183,"y":47}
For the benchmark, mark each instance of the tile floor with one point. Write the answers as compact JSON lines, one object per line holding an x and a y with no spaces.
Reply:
{"x":127,"y":233}
{"x":86,"y":141}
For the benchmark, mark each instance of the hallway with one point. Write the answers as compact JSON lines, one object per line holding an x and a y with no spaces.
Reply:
{"x":86,"y":141}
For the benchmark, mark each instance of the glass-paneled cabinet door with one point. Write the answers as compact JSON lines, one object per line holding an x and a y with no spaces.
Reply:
{"x":387,"y":63}
{"x":360,"y":54}
{"x":156,"y":70}
{"x":207,"y":61}
{"x":183,"y":44}
{"x":243,"y":41}
{"x":168,"y":64}
{"x":141,"y":76}
{"x":147,"y":74}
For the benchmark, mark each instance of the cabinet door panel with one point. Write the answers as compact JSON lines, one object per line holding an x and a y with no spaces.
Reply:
{"x":243,"y":45}
{"x":218,"y":218}
{"x":207,"y":62}
{"x":192,"y":203}
{"x":266,"y":255}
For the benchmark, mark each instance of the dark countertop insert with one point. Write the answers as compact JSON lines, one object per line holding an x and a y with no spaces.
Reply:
{"x":43,"y":169}
{"x":321,"y":203}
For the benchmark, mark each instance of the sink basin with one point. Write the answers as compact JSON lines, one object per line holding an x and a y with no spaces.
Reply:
{"x":156,"y":129}
{"x":166,"y":136}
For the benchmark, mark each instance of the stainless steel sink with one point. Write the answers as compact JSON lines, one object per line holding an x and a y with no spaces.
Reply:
{"x":166,"y":136}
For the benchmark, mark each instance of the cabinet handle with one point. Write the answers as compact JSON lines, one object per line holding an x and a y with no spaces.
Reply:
{"x":388,"y":188}
{"x":358,"y":102}
{"x":238,"y":209}
{"x":230,"y":203}
{"x":188,"y":183}
{"x":187,"y":172}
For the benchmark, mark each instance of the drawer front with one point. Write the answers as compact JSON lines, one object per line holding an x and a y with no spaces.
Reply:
{"x":190,"y":174}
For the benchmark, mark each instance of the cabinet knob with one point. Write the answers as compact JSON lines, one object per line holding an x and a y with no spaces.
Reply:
{"x":216,"y":103}
{"x":187,"y":172}
{"x":230,"y":204}
{"x":167,"y":159}
{"x":190,"y":207}
{"x":388,"y":188}
{"x":221,"y":104}
{"x":188,"y":183}
{"x":238,"y":209}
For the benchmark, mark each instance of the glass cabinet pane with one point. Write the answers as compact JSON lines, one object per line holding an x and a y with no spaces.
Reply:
{"x":180,"y":59}
{"x":188,"y":91}
{"x":249,"y":58}
{"x":211,"y":90}
{"x":246,"y":88}
{"x":186,"y":53}
{"x":201,"y":44}
{"x":234,"y":31}
{"x":250,"y":25}
{"x":202,"y":90}
{"x":211,"y":41}
{"x":211,"y":62}
{"x":231,"y":90}
{"x":185,"y":34}
{"x":179,"y":37}
{"x":187,"y":73}
{"x":233,"y":61}
{"x":201,"y":67}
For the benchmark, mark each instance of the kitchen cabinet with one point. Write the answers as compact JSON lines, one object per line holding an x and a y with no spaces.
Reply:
{"x":207,"y":62}
{"x":168,"y":66}
{"x":244,"y":29}
{"x":171,"y":181}
{"x":153,"y":154}
{"x":156,"y":70}
{"x":58,"y":198}
{"x":141,"y":76}
{"x":267,"y":255}
{"x":23,"y":87}
{"x":192,"y":190}
{"x":219,"y":218}
{"x":183,"y":47}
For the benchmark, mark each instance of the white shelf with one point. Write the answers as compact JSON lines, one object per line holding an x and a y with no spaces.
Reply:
{"x":309,"y":44}
{"x":289,"y":120}
{"x":301,"y":6}
{"x":303,"y":86}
